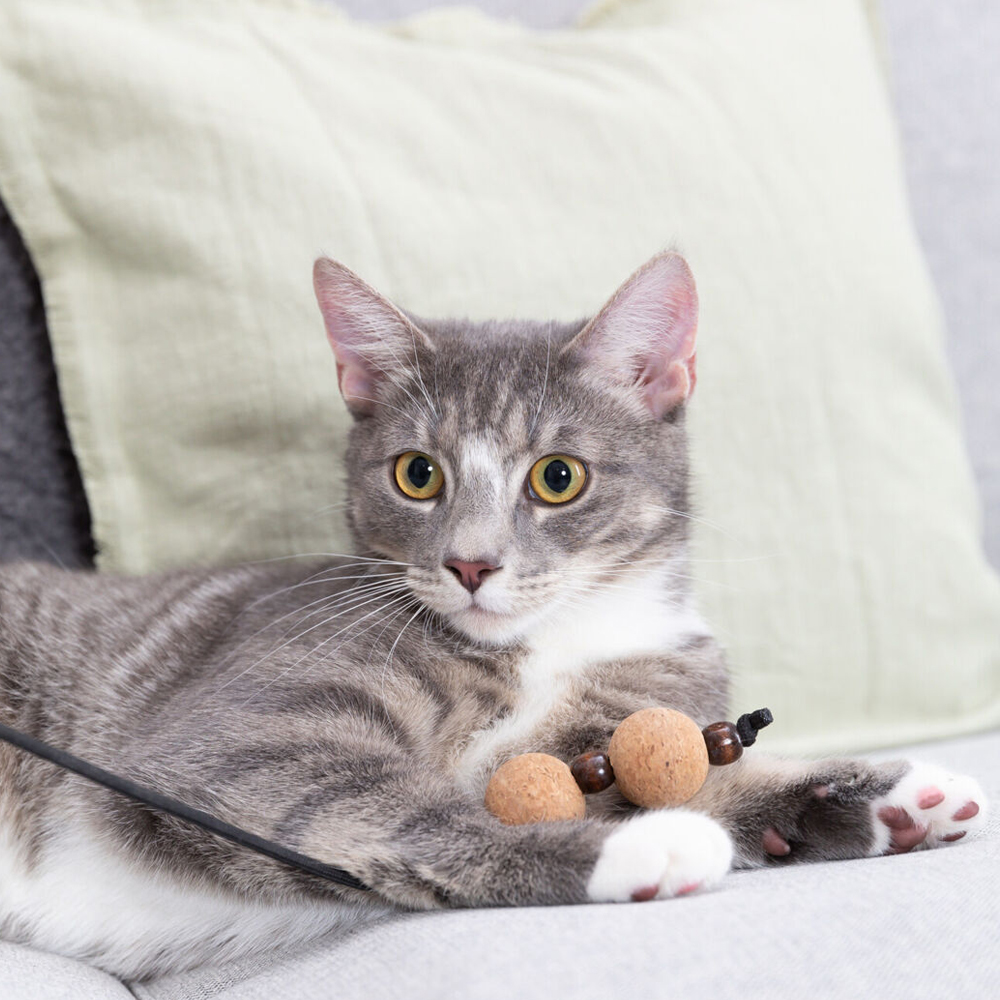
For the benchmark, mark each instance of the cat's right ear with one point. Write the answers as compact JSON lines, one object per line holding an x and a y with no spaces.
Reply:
{"x":370,"y":337}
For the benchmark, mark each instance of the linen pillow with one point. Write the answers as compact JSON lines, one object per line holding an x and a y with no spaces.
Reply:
{"x":174,"y":168}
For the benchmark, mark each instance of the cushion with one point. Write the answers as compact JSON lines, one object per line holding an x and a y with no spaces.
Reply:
{"x":174,"y":167}
{"x":29,"y":974}
{"x":914,"y":925}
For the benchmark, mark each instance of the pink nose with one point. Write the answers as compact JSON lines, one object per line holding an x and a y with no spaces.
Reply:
{"x":470,"y":574}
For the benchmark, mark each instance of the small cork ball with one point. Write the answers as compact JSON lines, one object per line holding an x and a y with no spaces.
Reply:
{"x":534,"y":787}
{"x":659,"y":758}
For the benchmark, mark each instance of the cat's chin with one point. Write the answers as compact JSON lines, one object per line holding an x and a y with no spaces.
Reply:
{"x":490,"y":628}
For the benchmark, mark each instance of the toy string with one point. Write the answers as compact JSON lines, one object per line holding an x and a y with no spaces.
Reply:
{"x":164,"y":803}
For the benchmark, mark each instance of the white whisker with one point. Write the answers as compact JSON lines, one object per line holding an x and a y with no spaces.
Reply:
{"x":329,"y":555}
{"x":315,"y":649}
{"x":692,"y":517}
{"x":357,"y":604}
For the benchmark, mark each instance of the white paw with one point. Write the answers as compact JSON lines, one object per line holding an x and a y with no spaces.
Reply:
{"x":929,"y":807}
{"x":660,"y":854}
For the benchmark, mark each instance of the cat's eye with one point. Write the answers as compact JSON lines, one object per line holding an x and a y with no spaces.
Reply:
{"x":557,"y":478}
{"x":418,"y":475}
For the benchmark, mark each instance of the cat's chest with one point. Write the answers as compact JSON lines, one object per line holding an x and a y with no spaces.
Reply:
{"x":562,"y":662}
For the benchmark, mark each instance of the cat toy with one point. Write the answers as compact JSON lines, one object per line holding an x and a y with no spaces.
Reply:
{"x":658,"y":757}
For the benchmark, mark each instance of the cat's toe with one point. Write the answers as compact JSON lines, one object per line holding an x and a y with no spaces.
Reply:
{"x":774,"y":844}
{"x":701,"y":852}
{"x":905,"y":833}
{"x":928,"y":807}
{"x":658,"y":855}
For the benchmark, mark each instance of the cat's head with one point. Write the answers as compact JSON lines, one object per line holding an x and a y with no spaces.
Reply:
{"x":516,"y":468}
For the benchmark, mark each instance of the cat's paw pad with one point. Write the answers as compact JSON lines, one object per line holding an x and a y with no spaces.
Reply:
{"x":927,"y":808}
{"x":658,"y":855}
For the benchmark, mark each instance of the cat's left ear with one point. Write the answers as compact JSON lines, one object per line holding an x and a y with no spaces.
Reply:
{"x":645,"y":334}
{"x":371,"y":339}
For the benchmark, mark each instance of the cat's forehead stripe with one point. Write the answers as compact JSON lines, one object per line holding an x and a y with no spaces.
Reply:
{"x":478,"y":454}
{"x":480,"y":462}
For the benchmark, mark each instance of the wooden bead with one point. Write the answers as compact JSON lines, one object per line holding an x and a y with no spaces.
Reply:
{"x":593,"y":772}
{"x":659,"y":758}
{"x":534,"y":787}
{"x":723,"y":743}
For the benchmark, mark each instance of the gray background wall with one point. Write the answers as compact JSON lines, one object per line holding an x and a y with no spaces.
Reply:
{"x":944,"y":67}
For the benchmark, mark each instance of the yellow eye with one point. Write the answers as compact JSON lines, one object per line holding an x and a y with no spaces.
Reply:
{"x":557,"y":478}
{"x":418,"y":475}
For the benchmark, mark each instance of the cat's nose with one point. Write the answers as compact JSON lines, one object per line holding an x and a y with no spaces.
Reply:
{"x":470,"y":574}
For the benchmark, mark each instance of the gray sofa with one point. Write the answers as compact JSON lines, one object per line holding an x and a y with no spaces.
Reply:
{"x":919,"y":925}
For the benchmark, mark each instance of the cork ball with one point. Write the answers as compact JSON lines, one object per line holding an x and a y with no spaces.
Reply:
{"x":534,"y":787}
{"x":659,"y":758}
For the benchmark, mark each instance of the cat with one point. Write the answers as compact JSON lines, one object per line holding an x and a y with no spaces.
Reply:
{"x":518,"y":498}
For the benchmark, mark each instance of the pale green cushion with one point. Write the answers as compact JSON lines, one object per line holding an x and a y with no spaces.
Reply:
{"x":175,"y":167}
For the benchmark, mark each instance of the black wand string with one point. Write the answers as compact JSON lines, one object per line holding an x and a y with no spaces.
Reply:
{"x":164,"y":803}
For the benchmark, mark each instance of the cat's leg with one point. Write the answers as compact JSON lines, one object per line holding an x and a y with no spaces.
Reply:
{"x":780,"y":811}
{"x":428,"y":847}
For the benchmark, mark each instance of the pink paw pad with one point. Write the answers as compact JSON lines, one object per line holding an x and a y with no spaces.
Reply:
{"x":645,"y":893}
{"x":929,"y":797}
{"x":686,"y":890}
{"x":967,"y":811}
{"x":905,"y":833}
{"x":929,"y":807}
{"x":774,"y":844}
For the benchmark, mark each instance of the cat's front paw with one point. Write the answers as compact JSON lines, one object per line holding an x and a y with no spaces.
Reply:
{"x":660,"y":854}
{"x":928,"y":807}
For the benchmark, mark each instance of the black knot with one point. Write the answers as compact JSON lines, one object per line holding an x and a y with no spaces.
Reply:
{"x":750,"y":724}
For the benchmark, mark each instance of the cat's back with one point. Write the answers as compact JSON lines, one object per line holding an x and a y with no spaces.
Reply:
{"x":44,"y":607}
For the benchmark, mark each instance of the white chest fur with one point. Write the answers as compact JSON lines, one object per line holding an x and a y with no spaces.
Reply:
{"x":630,"y":620}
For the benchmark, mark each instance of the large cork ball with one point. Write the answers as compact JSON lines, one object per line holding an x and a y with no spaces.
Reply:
{"x":534,"y":787}
{"x":659,"y":758}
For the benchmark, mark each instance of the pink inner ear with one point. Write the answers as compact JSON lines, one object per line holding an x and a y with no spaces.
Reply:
{"x":356,"y":387}
{"x":669,"y":388}
{"x":647,"y":332}
{"x":367,"y":333}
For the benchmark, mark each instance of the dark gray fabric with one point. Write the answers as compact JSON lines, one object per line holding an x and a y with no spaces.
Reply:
{"x":43,"y":509}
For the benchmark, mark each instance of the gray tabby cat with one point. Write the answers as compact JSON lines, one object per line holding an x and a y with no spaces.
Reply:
{"x":518,"y":499}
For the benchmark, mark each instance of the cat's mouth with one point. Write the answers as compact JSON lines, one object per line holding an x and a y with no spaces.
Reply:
{"x":482,"y":624}
{"x":481,"y":612}
{"x":488,"y":613}
{"x":491,"y":615}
